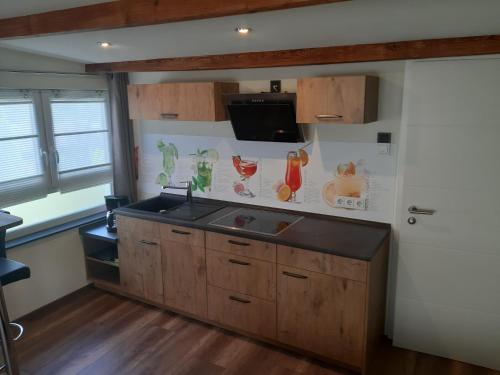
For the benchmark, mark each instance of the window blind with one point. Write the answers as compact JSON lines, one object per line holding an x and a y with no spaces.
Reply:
{"x":23,"y":158}
{"x":81,"y":135}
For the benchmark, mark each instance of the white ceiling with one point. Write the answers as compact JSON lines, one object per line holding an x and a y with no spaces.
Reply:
{"x":357,"y":21}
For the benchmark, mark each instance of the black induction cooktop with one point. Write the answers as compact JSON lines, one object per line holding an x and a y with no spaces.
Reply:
{"x":257,"y":221}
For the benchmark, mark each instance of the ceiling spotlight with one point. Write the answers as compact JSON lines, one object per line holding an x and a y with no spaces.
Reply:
{"x":243,"y":30}
{"x":104,"y":44}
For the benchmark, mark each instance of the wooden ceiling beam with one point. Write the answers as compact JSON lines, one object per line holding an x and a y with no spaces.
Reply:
{"x":404,"y":50}
{"x":129,"y":13}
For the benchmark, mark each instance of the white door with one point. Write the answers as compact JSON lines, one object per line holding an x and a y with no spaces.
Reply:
{"x":448,"y":263}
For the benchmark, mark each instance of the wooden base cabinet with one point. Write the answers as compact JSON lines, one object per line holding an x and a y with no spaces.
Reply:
{"x":140,"y":258}
{"x":184,"y":269}
{"x":316,"y":303}
{"x":321,"y":314}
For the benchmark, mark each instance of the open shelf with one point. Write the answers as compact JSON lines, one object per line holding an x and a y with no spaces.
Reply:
{"x":106,"y":255}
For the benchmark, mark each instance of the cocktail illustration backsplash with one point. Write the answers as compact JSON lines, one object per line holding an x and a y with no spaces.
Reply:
{"x":316,"y":177}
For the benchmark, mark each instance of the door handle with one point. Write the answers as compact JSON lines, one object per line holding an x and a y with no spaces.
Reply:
{"x":421,"y":211}
{"x":232,"y":242}
{"x":144,"y":242}
{"x":235,"y":261}
{"x":237,"y":299}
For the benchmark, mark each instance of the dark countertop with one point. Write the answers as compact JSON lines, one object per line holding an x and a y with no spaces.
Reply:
{"x":9,"y":221}
{"x":327,"y":234}
{"x":97,"y":230}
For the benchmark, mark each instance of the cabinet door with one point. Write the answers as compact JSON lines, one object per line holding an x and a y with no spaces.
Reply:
{"x":145,"y":102}
{"x":322,"y":314}
{"x":140,"y":258}
{"x":184,"y":269}
{"x":343,"y":100}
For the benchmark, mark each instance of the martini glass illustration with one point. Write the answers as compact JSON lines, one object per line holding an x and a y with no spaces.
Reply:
{"x":246,"y":169}
{"x":293,"y":177}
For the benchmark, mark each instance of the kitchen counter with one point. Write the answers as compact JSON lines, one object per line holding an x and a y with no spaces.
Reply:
{"x":327,"y":234}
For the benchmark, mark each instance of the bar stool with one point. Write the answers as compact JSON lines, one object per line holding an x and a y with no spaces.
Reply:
{"x":10,"y":272}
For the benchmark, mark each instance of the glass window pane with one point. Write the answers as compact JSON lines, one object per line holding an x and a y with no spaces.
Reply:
{"x":20,"y":158}
{"x":82,"y":150}
{"x":17,"y":119}
{"x":75,"y":116}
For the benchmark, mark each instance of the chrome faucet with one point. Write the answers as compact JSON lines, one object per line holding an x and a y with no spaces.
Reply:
{"x":188,"y":188}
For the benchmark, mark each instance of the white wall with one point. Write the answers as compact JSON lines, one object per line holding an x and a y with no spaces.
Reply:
{"x":57,"y":263}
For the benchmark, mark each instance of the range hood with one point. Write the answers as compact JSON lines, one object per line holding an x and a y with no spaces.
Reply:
{"x":264,"y":117}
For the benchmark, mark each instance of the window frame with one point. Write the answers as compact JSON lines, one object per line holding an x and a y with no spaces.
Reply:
{"x":49,"y":155}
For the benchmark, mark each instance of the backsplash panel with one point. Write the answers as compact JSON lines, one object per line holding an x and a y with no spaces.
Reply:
{"x":333,"y":178}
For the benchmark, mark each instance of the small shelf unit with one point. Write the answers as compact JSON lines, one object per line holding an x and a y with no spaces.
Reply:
{"x":101,"y":253}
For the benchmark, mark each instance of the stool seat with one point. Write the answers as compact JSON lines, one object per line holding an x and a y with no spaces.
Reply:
{"x":12,"y":271}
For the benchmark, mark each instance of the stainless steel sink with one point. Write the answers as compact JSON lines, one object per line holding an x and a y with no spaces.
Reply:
{"x":175,"y":208}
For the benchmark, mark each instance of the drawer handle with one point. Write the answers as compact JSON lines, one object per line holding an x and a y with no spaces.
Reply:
{"x":237,"y":299}
{"x":235,"y":261}
{"x":169,"y":115}
{"x":296,"y":275}
{"x":329,"y":117}
{"x":238,"y":243}
{"x":144,"y":242}
{"x":181,"y":232}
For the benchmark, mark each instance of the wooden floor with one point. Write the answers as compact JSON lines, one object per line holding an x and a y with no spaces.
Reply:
{"x":94,"y":332}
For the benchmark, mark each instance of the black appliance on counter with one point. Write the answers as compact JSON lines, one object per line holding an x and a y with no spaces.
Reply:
{"x":112,"y":203}
{"x":267,"y":117}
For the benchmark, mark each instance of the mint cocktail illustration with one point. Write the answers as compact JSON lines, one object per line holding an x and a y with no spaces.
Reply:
{"x":170,"y":154}
{"x":204,"y":161}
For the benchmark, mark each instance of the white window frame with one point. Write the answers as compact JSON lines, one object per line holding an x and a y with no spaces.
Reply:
{"x":49,"y":155}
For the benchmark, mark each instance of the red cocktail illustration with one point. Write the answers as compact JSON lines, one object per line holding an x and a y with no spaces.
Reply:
{"x":246,"y":169}
{"x":293,"y":177}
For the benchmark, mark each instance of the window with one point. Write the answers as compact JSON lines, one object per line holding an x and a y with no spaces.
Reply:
{"x":55,"y":153}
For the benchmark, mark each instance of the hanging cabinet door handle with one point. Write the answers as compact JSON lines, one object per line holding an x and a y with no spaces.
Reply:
{"x":181,"y":232}
{"x":296,"y":275}
{"x":235,"y":261}
{"x":420,"y":211}
{"x":144,"y":242}
{"x":169,"y":115}
{"x":329,"y":117}
{"x":237,"y":299}
{"x":238,"y":243}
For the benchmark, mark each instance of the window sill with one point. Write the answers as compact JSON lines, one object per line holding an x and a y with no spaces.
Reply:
{"x":11,"y":244}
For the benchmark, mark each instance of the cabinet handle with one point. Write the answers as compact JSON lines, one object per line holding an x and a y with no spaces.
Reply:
{"x":296,"y":275}
{"x":235,"y":261}
{"x":181,"y":232}
{"x":144,"y":242}
{"x":329,"y":117}
{"x":169,"y":115}
{"x":238,"y":243}
{"x":237,"y":299}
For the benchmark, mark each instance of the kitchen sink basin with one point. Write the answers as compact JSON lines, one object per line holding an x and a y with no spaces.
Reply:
{"x":179,"y":209}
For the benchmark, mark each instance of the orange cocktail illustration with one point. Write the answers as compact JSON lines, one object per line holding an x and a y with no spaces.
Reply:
{"x":246,"y":169}
{"x":293,"y":176}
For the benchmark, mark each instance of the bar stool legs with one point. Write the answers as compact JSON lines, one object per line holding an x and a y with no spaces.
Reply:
{"x":10,"y":366}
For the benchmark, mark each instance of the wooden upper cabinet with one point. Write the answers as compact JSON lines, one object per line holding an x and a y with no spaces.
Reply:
{"x":140,"y":258}
{"x":322,"y":314}
{"x":337,"y":100}
{"x":192,"y":101}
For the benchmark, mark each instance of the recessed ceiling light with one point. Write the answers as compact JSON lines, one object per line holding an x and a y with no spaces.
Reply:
{"x":243,"y":30}
{"x":104,"y":44}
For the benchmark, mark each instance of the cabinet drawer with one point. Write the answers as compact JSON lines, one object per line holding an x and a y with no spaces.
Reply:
{"x":245,"y":275}
{"x":242,"y":246}
{"x":185,"y":235}
{"x":242,"y":312}
{"x":333,"y":265}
